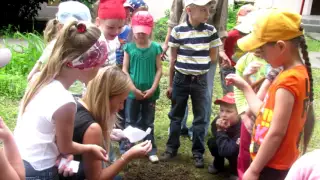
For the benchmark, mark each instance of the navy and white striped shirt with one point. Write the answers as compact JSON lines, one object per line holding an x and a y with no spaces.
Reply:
{"x":193,"y":45}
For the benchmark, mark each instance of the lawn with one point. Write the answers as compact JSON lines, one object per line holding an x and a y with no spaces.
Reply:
{"x":182,"y":166}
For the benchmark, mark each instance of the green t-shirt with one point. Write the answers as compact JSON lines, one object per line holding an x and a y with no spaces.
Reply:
{"x":143,"y":66}
{"x":241,"y":65}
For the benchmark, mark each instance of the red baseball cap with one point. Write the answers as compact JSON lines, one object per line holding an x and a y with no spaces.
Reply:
{"x":228,"y":98}
{"x":142,"y":22}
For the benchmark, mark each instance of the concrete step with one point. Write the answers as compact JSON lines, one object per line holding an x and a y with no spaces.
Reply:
{"x":311,"y":23}
{"x":311,"y":28}
{"x":311,"y":20}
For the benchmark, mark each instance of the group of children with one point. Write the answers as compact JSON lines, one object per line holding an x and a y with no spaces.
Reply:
{"x":258,"y":128}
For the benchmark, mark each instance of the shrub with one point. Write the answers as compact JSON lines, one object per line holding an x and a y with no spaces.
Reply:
{"x":16,"y":12}
{"x":232,"y":17}
{"x":12,"y":86}
{"x":24,"y":57}
{"x":161,"y":27}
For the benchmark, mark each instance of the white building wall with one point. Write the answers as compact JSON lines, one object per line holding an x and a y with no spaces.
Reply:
{"x":292,"y":5}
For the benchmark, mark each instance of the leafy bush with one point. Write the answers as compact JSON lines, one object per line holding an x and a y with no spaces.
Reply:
{"x":13,"y":77}
{"x":161,"y":27}
{"x":24,"y":57}
{"x":232,"y":17}
{"x":12,"y":86}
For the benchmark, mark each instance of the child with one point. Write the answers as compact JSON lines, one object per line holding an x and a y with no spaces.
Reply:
{"x":45,"y":123}
{"x":286,"y":111}
{"x":142,"y":63}
{"x":194,"y":48}
{"x":66,"y":10}
{"x":252,"y":68}
{"x":306,"y":167}
{"x":226,"y":131}
{"x":104,"y":98}
{"x":111,"y":19}
{"x":138,"y":5}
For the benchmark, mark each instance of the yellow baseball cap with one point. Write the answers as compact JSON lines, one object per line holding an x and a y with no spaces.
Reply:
{"x":274,"y":25}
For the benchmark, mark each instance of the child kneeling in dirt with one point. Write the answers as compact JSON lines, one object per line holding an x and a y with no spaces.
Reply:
{"x":226,"y":132}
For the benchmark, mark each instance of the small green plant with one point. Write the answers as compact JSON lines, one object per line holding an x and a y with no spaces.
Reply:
{"x":232,"y":17}
{"x":24,"y":57}
{"x":12,"y":86}
{"x":161,"y":27}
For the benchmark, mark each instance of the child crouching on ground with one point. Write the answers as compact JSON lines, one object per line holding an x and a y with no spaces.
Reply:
{"x":226,"y":131}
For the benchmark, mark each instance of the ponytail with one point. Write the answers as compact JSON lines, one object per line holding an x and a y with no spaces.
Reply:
{"x":70,"y":44}
{"x":51,"y":30}
{"x":309,"y":124}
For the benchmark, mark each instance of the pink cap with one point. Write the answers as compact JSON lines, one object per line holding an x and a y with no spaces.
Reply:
{"x":142,"y":22}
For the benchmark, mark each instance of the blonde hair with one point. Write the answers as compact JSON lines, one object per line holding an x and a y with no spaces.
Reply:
{"x":51,"y":30}
{"x":70,"y":45}
{"x":110,"y":81}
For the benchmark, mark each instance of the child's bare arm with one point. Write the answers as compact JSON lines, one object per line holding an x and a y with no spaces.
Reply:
{"x":158,"y":73}
{"x":64,"y":118}
{"x":11,"y":164}
{"x":173,"y":60}
{"x":280,"y":120}
{"x":213,"y":54}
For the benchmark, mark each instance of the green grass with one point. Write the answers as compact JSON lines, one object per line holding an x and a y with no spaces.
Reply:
{"x":183,"y":163}
{"x":313,"y":45}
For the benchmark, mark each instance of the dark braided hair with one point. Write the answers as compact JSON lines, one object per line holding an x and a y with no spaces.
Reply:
{"x":309,"y":124}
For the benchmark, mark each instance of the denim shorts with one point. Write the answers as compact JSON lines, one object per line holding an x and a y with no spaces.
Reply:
{"x":47,"y":174}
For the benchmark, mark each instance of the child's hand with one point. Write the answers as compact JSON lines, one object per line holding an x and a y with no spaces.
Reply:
{"x":99,"y":152}
{"x":66,"y":172}
{"x":252,"y":68}
{"x":117,"y":135}
{"x":225,"y":61}
{"x":148,"y":93}
{"x":169,"y":92}
{"x":5,"y":132}
{"x":222,"y":124}
{"x":139,"y":95}
{"x":139,"y":150}
{"x":239,"y":82}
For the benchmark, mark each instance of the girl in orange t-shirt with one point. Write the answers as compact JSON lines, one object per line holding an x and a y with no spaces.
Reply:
{"x":286,"y":112}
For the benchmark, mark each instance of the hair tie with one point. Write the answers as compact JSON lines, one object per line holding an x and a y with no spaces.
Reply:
{"x":301,"y":27}
{"x":81,"y":28}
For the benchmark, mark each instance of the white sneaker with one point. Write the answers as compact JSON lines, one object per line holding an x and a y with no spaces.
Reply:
{"x":154,"y":158}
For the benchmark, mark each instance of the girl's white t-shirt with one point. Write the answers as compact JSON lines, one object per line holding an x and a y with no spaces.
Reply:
{"x":35,"y":133}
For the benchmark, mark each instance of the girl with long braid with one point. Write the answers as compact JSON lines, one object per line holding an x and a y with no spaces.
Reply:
{"x":286,"y":112}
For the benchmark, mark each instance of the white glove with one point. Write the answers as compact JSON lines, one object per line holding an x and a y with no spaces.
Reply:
{"x":252,"y":68}
{"x":117,"y":135}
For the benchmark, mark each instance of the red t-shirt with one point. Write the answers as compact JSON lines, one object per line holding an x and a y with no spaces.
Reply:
{"x":231,"y":43}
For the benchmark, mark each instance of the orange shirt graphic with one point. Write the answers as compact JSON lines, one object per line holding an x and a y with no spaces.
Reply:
{"x":296,"y":81}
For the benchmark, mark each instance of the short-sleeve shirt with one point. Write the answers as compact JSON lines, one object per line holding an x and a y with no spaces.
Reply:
{"x":296,"y":81}
{"x":35,"y":132}
{"x":143,"y":66}
{"x":244,"y":61}
{"x":194,"y":44}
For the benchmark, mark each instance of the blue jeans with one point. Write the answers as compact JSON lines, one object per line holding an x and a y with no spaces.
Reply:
{"x":183,"y":87}
{"x":140,"y":114}
{"x":210,"y":78}
{"x":48,"y":174}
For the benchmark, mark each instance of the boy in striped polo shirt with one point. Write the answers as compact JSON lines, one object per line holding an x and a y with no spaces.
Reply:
{"x":193,"y":47}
